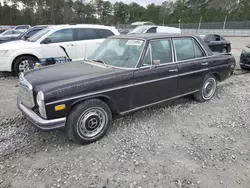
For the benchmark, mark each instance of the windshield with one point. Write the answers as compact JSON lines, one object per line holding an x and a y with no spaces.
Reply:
{"x":139,"y":29}
{"x":38,"y":35}
{"x":123,"y":53}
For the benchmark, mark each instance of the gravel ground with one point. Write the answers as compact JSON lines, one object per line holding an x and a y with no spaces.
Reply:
{"x":181,"y":143}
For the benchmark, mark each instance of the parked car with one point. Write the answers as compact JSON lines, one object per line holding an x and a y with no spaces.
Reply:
{"x":78,"y":40}
{"x":155,"y":29}
{"x":10,"y":33}
{"x":136,"y":24}
{"x":124,"y":74}
{"x":217,"y":43}
{"x":245,"y":58}
{"x":23,"y":28}
{"x":23,"y":36}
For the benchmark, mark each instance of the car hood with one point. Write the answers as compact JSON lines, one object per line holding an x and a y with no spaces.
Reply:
{"x":61,"y":76}
{"x":20,"y":44}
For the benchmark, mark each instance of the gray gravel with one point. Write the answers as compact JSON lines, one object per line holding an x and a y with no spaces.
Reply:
{"x":181,"y":143}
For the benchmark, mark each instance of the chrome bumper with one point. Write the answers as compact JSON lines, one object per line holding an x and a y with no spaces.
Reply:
{"x":39,"y":122}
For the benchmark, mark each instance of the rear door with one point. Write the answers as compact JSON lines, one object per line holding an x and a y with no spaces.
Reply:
{"x":192,"y":64}
{"x":64,"y":38}
{"x":156,"y":79}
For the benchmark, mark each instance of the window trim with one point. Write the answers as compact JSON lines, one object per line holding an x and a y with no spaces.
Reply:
{"x":198,"y":43}
{"x":73,"y":39}
{"x":75,"y":34}
{"x":149,"y":46}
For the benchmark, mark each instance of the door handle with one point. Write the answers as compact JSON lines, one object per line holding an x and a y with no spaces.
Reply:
{"x":204,"y":64}
{"x":70,"y":45}
{"x":173,"y":70}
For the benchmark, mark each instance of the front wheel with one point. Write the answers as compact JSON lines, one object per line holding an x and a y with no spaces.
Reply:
{"x":88,"y":121}
{"x":207,"y":89}
{"x":23,"y":64}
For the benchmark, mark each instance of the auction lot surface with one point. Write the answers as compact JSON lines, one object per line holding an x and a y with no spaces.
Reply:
{"x":181,"y":143}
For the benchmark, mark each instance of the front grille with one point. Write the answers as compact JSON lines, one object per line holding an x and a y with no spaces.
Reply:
{"x":26,"y":93}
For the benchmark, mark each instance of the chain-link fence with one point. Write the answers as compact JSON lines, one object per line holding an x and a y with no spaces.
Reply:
{"x":236,"y":28}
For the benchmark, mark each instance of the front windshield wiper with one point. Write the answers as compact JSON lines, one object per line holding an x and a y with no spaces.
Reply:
{"x":100,"y":61}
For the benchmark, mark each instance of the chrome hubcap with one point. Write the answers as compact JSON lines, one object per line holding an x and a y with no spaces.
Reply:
{"x":209,"y":88}
{"x":24,"y":66}
{"x":92,"y":122}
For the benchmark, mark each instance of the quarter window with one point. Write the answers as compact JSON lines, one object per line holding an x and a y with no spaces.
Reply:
{"x":86,"y":34}
{"x":64,"y":35}
{"x":187,"y":49}
{"x":151,"y":30}
{"x":104,"y":33}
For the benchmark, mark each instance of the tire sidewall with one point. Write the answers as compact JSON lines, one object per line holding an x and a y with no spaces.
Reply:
{"x":19,"y":60}
{"x":206,"y":78}
{"x":77,"y":111}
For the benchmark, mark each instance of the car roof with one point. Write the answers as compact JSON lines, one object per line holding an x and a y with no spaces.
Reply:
{"x":148,"y":36}
{"x":79,"y":26}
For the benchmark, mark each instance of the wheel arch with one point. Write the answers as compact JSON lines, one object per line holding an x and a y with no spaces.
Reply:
{"x":22,"y":55}
{"x":103,"y":98}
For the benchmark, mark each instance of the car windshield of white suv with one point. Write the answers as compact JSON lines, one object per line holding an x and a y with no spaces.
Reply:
{"x":122,"y":53}
{"x":38,"y":35}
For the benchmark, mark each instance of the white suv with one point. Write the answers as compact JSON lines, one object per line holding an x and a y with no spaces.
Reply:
{"x":78,"y":40}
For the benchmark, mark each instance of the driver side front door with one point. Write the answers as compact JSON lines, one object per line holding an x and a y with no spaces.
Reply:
{"x":157,"y":78}
{"x":64,"y":38}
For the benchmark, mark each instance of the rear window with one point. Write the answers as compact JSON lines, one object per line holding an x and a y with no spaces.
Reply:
{"x":85,"y":34}
{"x":104,"y":33}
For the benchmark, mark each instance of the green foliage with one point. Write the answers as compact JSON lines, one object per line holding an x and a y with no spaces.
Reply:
{"x":104,"y":12}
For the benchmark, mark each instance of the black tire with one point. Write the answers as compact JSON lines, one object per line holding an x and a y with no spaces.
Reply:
{"x":16,"y":70}
{"x":209,"y":83}
{"x":224,"y":50}
{"x":77,"y":130}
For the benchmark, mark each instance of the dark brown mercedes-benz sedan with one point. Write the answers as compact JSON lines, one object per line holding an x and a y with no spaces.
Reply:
{"x":126,"y":73}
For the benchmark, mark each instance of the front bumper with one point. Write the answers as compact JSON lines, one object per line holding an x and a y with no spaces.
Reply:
{"x":39,"y":122}
{"x":6,"y":63}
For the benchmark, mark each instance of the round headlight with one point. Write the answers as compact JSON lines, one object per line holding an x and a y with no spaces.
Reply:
{"x":40,"y":98}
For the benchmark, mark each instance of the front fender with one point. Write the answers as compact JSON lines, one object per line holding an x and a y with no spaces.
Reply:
{"x":17,"y":53}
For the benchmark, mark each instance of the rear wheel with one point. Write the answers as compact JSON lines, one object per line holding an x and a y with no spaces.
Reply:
{"x":88,"y":121}
{"x":207,"y":89}
{"x":23,"y":64}
{"x":224,"y":50}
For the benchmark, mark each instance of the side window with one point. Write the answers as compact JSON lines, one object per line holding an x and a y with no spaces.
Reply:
{"x":197,"y":50}
{"x":104,"y":33}
{"x":64,"y":35}
{"x":209,"y":38}
{"x":217,"y":38}
{"x":147,"y":59}
{"x":151,"y":30}
{"x":9,"y":32}
{"x":85,"y":34}
{"x":184,"y":49}
{"x":160,"y":51}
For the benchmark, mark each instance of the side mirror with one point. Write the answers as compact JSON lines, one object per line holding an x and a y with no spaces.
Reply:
{"x":46,"y":41}
{"x":156,"y":62}
{"x":26,"y":37}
